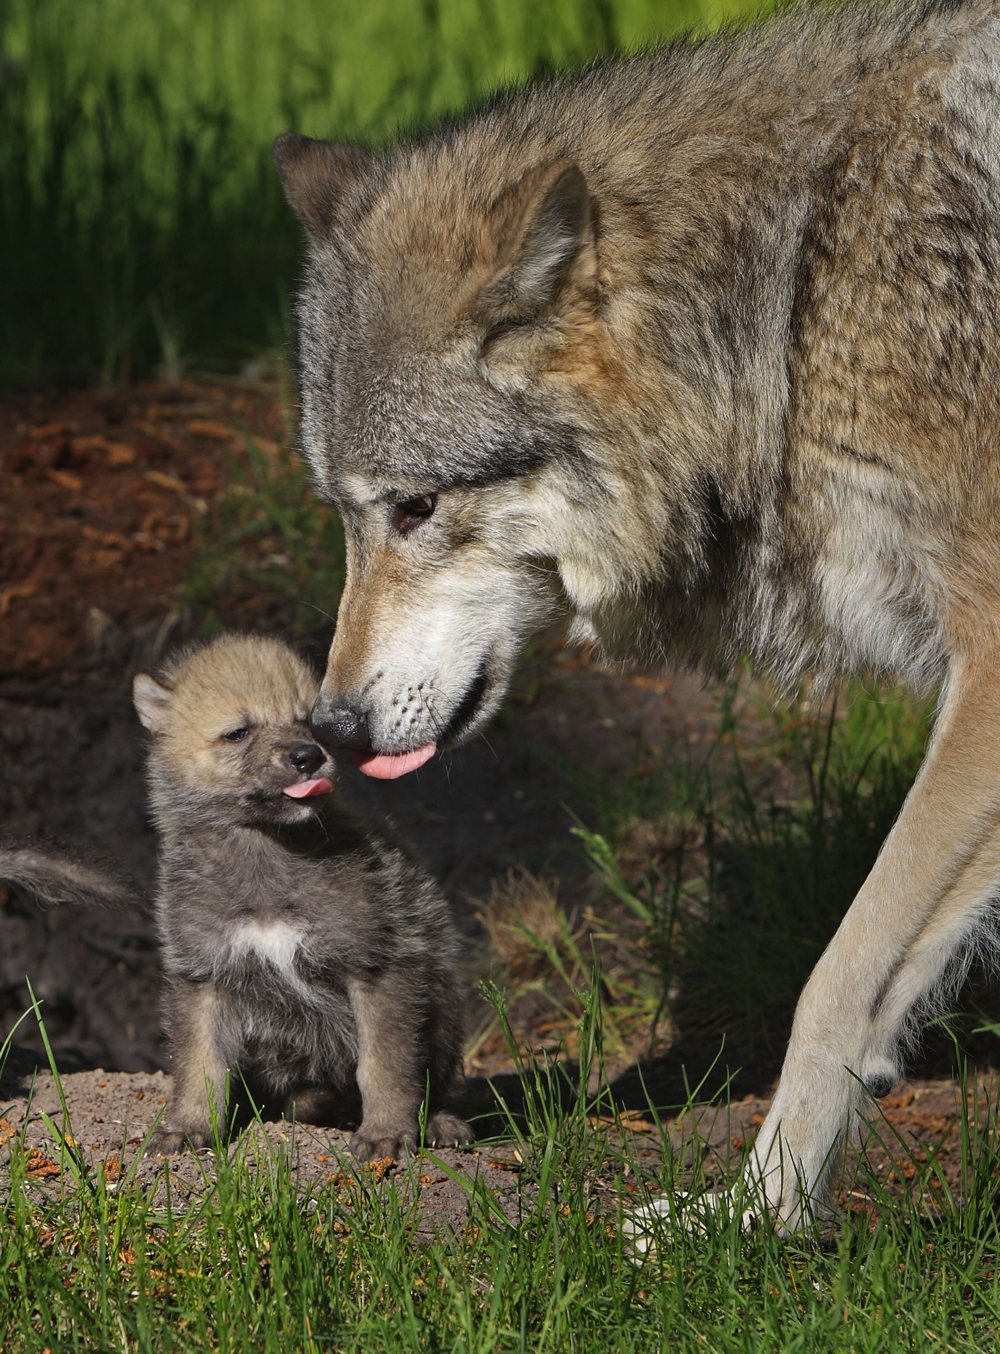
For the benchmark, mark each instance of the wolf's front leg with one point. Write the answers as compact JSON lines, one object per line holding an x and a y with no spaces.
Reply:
{"x":393,"y":1059}
{"x":923,"y":902}
{"x":195,"y":1016}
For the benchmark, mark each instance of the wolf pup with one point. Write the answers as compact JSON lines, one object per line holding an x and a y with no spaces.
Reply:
{"x":700,"y":349}
{"x":308,"y":954}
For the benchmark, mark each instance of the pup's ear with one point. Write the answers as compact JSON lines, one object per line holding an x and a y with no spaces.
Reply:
{"x":540,"y":227}
{"x":152,"y":702}
{"x":313,"y":175}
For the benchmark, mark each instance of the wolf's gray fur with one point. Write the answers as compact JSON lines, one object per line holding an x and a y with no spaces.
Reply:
{"x":700,"y":349}
{"x":298,"y":948}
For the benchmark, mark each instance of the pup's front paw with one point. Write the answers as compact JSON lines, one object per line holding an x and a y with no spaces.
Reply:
{"x":165,"y":1142}
{"x":377,"y":1144}
{"x":447,"y":1130}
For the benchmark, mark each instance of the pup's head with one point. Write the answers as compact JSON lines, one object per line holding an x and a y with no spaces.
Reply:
{"x":230,"y":731}
{"x":456,"y":377}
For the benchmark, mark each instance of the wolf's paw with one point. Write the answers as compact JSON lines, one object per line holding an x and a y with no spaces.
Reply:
{"x":166,"y":1142}
{"x":695,"y":1214}
{"x":689,"y":1213}
{"x":369,"y":1145}
{"x":447,"y":1130}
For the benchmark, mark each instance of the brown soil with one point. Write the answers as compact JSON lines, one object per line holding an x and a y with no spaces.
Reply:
{"x":103,"y":494}
{"x":111,"y":1113}
{"x":105,"y":499}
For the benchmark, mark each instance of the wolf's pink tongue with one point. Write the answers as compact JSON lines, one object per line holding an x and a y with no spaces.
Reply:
{"x":387,"y":766}
{"x":307,"y":788}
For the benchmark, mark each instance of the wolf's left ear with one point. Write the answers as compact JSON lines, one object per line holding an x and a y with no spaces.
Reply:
{"x":152,"y":702}
{"x":313,"y":175}
{"x":541,"y":227}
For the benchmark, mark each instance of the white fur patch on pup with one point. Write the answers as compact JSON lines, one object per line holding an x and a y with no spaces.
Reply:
{"x":276,"y":942}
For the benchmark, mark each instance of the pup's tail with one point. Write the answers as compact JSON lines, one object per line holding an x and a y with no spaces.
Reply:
{"x":58,"y":878}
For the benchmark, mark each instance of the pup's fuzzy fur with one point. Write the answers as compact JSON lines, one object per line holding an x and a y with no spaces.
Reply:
{"x":702,"y":350}
{"x":299,"y":949}
{"x":52,"y":872}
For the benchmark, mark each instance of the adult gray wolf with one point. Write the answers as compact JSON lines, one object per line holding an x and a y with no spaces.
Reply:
{"x":700,"y":349}
{"x":300,"y":949}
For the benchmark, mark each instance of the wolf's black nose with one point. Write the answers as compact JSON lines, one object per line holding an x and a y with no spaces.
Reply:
{"x":306,"y":757}
{"x":339,"y":727}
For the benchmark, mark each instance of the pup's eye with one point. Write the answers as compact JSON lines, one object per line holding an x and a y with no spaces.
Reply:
{"x":409,"y":514}
{"x":235,"y":735}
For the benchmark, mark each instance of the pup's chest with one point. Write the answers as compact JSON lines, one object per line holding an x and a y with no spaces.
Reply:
{"x":274,"y":954}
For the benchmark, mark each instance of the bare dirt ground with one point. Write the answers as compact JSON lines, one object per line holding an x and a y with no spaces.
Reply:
{"x":104,"y":498}
{"x":110,"y":1115}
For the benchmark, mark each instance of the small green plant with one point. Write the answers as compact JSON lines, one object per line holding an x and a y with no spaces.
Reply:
{"x":271,"y":541}
{"x":546,"y":960}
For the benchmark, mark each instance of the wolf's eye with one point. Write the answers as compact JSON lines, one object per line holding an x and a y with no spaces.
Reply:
{"x":235,"y":735}
{"x":413,"y":511}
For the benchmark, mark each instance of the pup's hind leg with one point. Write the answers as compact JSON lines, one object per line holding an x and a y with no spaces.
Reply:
{"x":937,"y":872}
{"x":196,"y":1021}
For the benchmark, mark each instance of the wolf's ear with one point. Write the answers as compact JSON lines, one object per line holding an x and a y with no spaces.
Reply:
{"x":152,"y":702}
{"x":540,"y":226}
{"x":313,"y":174}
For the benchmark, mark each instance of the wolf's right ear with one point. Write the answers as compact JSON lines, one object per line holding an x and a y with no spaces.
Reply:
{"x":313,"y":174}
{"x":542,"y":227}
{"x":152,"y":702}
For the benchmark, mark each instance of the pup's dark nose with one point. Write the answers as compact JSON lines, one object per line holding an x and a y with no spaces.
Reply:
{"x":306,"y":757}
{"x":339,"y":726}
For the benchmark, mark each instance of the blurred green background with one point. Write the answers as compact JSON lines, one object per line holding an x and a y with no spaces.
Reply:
{"x":142,"y":225}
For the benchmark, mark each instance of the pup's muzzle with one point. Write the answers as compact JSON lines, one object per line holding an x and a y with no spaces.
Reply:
{"x":306,"y":757}
{"x":339,"y":725}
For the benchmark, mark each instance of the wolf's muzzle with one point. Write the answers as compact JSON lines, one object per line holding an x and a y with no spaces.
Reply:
{"x":339,"y":726}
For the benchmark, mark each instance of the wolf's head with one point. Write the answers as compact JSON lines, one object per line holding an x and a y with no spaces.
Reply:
{"x":230,"y":734}
{"x":457,"y":378}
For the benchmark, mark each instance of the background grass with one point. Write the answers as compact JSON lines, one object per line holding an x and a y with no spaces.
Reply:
{"x":740,"y":868}
{"x":140,"y":217}
{"x":716,"y":880}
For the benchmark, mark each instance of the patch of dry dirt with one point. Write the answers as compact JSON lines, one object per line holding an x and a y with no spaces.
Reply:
{"x":101,"y":496}
{"x":111,"y":1113}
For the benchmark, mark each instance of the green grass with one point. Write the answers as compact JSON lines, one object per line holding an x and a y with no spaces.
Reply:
{"x":269,"y":541}
{"x":737,"y":883}
{"x":139,"y":211}
{"x":264,"y":1262}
